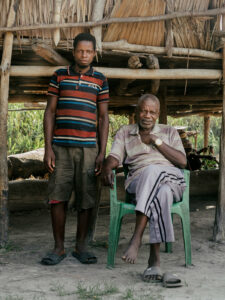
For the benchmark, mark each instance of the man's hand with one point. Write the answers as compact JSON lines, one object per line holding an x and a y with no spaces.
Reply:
{"x":98,"y":164}
{"x":107,"y":177}
{"x":49,"y":160}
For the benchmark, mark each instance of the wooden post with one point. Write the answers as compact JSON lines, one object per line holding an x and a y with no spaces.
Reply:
{"x":163,"y":105}
{"x":56,"y":19}
{"x":97,"y":14}
{"x":5,"y":66}
{"x":206,"y":130}
{"x":132,"y":118}
{"x":219,"y":224}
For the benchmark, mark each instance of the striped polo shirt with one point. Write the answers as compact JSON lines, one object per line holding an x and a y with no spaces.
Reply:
{"x":76,"y":113}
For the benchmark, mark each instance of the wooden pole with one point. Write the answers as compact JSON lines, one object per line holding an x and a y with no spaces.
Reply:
{"x":206,"y":130}
{"x":97,"y":14}
{"x":122,"y":46}
{"x":163,"y":105}
{"x":49,"y":54}
{"x":123,"y":73}
{"x":174,"y":15}
{"x":219,"y":224}
{"x":56,"y":19}
{"x":5,"y":65}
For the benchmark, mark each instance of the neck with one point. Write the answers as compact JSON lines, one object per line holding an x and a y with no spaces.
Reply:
{"x":145,"y":130}
{"x":80,"y":70}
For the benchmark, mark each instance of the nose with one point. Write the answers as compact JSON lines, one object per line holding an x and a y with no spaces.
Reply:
{"x":84,"y":54}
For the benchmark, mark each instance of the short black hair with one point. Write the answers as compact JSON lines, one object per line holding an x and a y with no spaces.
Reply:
{"x":84,"y":37}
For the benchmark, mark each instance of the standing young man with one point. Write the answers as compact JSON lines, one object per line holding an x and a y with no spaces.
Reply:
{"x":76,"y":131}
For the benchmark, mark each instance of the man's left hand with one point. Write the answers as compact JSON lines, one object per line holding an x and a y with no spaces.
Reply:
{"x":98,"y":163}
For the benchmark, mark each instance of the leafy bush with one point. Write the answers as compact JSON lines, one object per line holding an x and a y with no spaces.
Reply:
{"x":25,"y":129}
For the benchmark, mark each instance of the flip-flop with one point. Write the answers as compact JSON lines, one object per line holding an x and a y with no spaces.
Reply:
{"x":152,"y":271}
{"x":171,"y":280}
{"x":85,"y":257}
{"x":52,"y":259}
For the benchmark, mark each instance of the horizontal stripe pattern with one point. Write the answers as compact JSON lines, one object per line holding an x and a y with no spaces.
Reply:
{"x":78,"y":97}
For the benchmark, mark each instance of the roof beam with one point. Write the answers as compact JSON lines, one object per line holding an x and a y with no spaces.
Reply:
{"x":123,"y":73}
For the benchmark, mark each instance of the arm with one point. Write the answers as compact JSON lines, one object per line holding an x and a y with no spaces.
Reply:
{"x":107,"y":175}
{"x":174,"y":156}
{"x":49,"y":123}
{"x":103,"y":129}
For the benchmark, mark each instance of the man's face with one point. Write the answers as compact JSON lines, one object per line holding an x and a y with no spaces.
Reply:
{"x":147,"y":114}
{"x":84,"y":54}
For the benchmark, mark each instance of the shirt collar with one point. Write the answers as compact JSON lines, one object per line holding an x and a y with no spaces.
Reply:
{"x":135,"y":129}
{"x":71,"y":71}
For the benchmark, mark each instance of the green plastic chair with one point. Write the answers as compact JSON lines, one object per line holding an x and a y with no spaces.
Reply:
{"x":118,"y":209}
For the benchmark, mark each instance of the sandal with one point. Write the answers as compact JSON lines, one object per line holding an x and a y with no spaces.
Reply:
{"x":85,"y":257}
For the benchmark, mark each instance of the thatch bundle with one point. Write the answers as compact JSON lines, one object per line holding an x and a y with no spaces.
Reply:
{"x":138,"y":33}
{"x":189,"y":32}
{"x":194,"y":32}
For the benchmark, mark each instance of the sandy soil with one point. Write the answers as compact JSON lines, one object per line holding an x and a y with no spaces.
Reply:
{"x":23,"y":277}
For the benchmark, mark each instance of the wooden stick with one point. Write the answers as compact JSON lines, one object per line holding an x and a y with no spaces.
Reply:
{"x":174,"y":15}
{"x":49,"y":54}
{"x":219,"y":224}
{"x":121,"y":73}
{"x":124,"y":46}
{"x":5,"y":65}
{"x":163,"y":105}
{"x":97,"y":14}
{"x":206,"y":130}
{"x":56,"y":19}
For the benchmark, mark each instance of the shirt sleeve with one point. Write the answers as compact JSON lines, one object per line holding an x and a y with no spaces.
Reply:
{"x":53,"y":88}
{"x":103,"y":95}
{"x":118,"y":146}
{"x":175,"y":141}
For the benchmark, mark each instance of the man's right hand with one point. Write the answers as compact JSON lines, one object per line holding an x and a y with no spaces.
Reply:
{"x":107,"y":177}
{"x":49,"y":160}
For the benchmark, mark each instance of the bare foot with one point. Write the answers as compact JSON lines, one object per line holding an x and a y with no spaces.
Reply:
{"x":131,"y":253}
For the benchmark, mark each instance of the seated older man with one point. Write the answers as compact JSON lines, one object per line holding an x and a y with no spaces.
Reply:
{"x":154,"y":154}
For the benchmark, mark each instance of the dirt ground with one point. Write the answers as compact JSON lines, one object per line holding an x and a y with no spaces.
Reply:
{"x":23,"y":277}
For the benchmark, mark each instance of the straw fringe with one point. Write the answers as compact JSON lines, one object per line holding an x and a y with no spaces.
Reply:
{"x":187,"y":32}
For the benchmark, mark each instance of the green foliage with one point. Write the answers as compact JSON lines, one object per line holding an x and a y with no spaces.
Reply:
{"x":197,"y":123}
{"x":115,"y":122}
{"x":25,"y":130}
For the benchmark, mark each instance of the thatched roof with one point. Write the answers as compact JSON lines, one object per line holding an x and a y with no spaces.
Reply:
{"x":188,"y":32}
{"x":182,"y":33}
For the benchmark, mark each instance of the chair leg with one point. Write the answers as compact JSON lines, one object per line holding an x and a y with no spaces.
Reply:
{"x":114,"y":234}
{"x":187,"y":237}
{"x":168,"y":246}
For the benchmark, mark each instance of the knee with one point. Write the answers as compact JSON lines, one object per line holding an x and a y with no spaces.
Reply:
{"x":165,"y":194}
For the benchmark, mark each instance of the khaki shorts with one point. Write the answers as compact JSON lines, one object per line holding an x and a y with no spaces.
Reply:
{"x":74,"y":169}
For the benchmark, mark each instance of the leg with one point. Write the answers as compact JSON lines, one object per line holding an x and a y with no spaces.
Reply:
{"x":58,"y":215}
{"x":131,"y":253}
{"x":153,"y":272}
{"x":83,"y":225}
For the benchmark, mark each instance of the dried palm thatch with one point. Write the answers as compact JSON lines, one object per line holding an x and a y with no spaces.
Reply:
{"x":188,"y":32}
{"x":138,"y":33}
{"x":194,"y":32}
